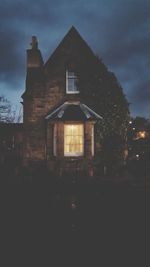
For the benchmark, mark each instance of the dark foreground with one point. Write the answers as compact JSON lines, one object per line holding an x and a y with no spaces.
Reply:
{"x":74,"y":219}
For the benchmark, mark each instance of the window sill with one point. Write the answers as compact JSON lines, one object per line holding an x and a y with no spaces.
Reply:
{"x":72,"y":93}
{"x":74,"y":156}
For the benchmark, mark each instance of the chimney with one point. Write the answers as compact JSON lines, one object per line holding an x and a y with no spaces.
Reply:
{"x":34,"y":57}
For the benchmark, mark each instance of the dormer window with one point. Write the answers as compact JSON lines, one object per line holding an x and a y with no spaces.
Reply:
{"x":71,"y":83}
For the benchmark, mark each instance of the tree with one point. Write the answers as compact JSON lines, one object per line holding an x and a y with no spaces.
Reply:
{"x":101,"y":91}
{"x":7,"y":113}
{"x":104,"y":94}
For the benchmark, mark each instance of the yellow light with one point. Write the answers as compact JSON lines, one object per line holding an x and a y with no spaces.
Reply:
{"x":73,"y":139}
{"x":142,"y":134}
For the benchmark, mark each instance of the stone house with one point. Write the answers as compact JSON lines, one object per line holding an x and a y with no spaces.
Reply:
{"x":58,"y":127}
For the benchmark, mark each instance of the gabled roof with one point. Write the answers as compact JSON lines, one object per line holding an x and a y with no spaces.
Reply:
{"x":73,"y":111}
{"x":71,"y":40}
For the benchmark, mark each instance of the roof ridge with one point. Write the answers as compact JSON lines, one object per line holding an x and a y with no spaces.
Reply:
{"x":72,"y":31}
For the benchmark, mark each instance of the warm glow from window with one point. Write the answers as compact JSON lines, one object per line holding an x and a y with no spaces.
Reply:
{"x":73,"y":139}
{"x":141,"y":134}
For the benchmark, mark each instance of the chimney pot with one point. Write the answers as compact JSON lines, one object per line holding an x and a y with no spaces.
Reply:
{"x":34,"y":43}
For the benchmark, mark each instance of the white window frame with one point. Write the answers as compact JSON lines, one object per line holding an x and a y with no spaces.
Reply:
{"x":55,"y":140}
{"x":67,"y":84}
{"x":74,"y":154}
{"x":93,"y":141}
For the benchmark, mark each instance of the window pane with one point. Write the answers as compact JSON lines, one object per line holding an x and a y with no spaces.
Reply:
{"x":71,"y":74}
{"x":71,"y":82}
{"x":73,"y":139}
{"x":75,"y":84}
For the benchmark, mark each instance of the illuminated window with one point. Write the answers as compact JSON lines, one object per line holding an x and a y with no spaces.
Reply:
{"x":73,"y":139}
{"x":71,"y":83}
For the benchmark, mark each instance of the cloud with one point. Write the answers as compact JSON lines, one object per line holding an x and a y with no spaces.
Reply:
{"x":116,"y":30}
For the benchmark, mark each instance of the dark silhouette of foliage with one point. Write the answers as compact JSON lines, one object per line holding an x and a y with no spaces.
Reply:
{"x":139,"y":147}
{"x":101,"y":91}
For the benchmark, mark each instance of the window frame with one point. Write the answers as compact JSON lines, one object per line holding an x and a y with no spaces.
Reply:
{"x":74,"y":77}
{"x":75,"y":154}
{"x":55,"y":139}
{"x":93,"y":140}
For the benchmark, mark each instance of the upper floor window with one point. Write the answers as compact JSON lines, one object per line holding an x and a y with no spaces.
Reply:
{"x":71,"y":83}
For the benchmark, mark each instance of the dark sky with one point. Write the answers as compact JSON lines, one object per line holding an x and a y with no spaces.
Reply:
{"x":116,"y":30}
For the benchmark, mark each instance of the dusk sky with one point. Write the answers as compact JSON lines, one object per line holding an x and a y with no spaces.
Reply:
{"x":116,"y":30}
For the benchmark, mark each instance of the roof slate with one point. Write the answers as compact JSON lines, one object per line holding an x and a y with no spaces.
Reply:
{"x":72,"y":39}
{"x":73,"y":111}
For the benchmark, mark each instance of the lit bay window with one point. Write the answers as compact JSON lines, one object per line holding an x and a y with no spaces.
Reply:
{"x":71,"y":83}
{"x":73,"y":139}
